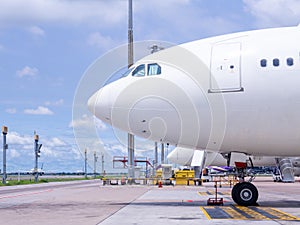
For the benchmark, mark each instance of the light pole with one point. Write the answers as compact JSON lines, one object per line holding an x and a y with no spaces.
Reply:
{"x":130,"y":62}
{"x":102,"y":164}
{"x":5,"y":146}
{"x":162,"y":158}
{"x":37,"y":151}
{"x":85,"y":163}
{"x":155,"y":158}
{"x":95,"y":161}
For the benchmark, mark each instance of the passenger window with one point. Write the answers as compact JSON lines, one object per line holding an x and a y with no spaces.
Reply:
{"x":139,"y":71}
{"x":263,"y":63}
{"x":290,"y":61}
{"x":275,"y":62}
{"x":154,"y":69}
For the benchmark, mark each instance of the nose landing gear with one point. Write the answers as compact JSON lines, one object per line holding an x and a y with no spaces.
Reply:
{"x":244,"y":193}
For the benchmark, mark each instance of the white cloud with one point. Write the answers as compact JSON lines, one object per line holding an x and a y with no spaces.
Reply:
{"x":14,"y":153}
{"x":100,"y":13}
{"x":11,"y":110}
{"x":54,"y":142}
{"x":87,"y":122}
{"x":117,"y":149}
{"x":56,"y":154}
{"x":271,"y":13}
{"x":27,"y":72}
{"x":55,"y":103}
{"x":98,"y":40}
{"x":35,"y":30}
{"x":16,"y":139}
{"x":41,"y":110}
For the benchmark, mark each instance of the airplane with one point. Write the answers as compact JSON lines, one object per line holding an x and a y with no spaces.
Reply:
{"x":235,"y":93}
{"x":33,"y":171}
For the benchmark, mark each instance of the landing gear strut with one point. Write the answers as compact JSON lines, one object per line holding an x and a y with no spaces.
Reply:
{"x":244,"y":193}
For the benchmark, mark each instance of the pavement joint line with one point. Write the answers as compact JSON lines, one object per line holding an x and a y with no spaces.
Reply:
{"x":123,"y":207}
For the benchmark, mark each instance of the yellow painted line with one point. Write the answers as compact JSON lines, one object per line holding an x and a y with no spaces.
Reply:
{"x":233,"y":213}
{"x":202,"y":193}
{"x":205,"y":213}
{"x":246,"y":213}
{"x":279,"y":214}
{"x":252,"y":213}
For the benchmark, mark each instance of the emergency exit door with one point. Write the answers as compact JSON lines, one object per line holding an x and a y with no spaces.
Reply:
{"x":225,"y":68}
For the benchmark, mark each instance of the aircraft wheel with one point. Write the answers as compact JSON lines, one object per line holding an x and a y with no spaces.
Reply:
{"x":233,"y":192}
{"x":244,"y":194}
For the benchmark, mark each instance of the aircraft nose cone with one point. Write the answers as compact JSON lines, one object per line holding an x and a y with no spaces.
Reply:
{"x":99,"y":104}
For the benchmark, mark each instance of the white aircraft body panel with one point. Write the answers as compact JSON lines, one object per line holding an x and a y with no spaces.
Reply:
{"x":214,"y":94}
{"x":198,"y":158}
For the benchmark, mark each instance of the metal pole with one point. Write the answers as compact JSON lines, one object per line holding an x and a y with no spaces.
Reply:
{"x":85,"y":163}
{"x":155,"y":157}
{"x":167,"y":153}
{"x":162,"y":159}
{"x":130,"y":62}
{"x":36,"y":174}
{"x":102,"y":163}
{"x":5,"y":146}
{"x":95,"y":161}
{"x":130,"y":34}
{"x":131,"y":156}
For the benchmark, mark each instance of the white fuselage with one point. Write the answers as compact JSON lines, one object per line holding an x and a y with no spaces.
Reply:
{"x":214,"y":94}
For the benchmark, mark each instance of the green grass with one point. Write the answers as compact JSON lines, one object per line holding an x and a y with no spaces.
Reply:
{"x":44,"y":180}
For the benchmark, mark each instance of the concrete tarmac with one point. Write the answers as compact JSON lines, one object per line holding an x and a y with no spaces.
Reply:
{"x":278,"y":204}
{"x":89,"y":202}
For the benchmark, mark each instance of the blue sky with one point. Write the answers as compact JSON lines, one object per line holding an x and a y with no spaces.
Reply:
{"x":47,"y":45}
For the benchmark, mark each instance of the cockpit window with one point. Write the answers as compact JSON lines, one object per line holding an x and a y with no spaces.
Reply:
{"x":154,"y":69}
{"x":139,"y":71}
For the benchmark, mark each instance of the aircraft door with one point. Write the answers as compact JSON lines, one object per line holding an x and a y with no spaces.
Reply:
{"x":225,"y":68}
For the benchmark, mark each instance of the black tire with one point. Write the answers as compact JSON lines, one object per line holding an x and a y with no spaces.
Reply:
{"x":245,"y":194}
{"x":234,"y":192}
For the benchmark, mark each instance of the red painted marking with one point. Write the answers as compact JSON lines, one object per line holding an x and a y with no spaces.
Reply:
{"x":189,"y":200}
{"x":25,"y":194}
